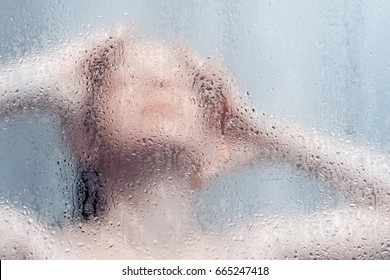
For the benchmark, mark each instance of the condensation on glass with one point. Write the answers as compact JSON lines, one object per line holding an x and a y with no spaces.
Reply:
{"x":194,"y":130}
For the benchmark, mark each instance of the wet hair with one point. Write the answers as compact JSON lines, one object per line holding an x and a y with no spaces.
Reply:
{"x":211,"y":89}
{"x":89,"y":200}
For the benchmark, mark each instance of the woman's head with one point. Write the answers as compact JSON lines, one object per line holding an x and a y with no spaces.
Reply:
{"x":152,"y":106}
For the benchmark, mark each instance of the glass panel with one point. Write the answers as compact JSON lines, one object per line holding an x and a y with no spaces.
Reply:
{"x":196,"y":129}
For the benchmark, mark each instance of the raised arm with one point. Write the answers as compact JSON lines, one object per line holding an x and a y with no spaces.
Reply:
{"x":242,"y":135}
{"x":43,"y":82}
{"x":357,"y":170}
{"x":58,"y":79}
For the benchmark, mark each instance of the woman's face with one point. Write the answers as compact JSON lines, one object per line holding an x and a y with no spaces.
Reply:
{"x":150,"y":112}
{"x":152,"y":98}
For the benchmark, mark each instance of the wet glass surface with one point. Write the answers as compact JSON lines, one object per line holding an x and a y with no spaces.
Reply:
{"x":202,"y":129}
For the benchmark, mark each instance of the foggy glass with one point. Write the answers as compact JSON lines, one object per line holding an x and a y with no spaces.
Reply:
{"x":323,"y":65}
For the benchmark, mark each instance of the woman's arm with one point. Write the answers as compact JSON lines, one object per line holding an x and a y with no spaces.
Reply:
{"x":42,"y":82}
{"x":58,"y":80}
{"x":359,"y":171}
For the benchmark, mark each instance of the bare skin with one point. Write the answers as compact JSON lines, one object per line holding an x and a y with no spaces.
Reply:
{"x":147,"y":125}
